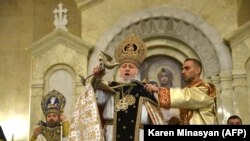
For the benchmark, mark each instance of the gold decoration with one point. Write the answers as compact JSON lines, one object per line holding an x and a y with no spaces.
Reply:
{"x":131,"y":50}
{"x":130,"y":99}
{"x":51,"y":134}
{"x":86,"y":127}
{"x":53,"y":102}
{"x":121,"y":105}
{"x":126,"y":100}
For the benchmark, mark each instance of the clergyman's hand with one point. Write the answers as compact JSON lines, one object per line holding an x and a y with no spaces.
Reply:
{"x":98,"y":72}
{"x":63,"y":117}
{"x":151,"y":88}
{"x":37,"y":131}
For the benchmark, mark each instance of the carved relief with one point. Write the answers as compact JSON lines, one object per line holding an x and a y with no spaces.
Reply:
{"x":178,"y":30}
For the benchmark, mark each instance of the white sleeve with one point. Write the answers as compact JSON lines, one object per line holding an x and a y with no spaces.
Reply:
{"x":40,"y":137}
{"x":101,"y":97}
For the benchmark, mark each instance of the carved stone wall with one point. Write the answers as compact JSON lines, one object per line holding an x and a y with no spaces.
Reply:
{"x":65,"y":55}
{"x":239,"y":42}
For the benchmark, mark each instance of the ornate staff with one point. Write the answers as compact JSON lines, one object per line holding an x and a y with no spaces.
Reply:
{"x":105,"y":62}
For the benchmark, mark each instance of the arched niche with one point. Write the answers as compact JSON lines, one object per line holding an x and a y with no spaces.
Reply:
{"x":61,"y":77}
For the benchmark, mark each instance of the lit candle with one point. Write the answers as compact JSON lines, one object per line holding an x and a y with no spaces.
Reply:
{"x":61,"y":131}
{"x":12,"y":138}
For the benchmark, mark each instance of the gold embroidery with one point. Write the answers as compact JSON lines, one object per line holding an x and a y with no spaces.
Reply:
{"x":51,"y":134}
{"x":164,"y":97}
{"x":131,"y":49}
{"x":185,"y":116}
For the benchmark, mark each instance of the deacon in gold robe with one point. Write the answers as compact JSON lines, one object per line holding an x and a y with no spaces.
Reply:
{"x":197,"y":100}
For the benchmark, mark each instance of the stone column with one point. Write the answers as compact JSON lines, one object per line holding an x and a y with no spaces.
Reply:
{"x":216,"y":81}
{"x":226,"y":105}
{"x":240,"y":95}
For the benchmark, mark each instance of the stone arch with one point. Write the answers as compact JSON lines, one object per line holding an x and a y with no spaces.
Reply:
{"x":168,"y":54}
{"x":172,"y":24}
{"x":54,"y":68}
{"x":247,"y":67}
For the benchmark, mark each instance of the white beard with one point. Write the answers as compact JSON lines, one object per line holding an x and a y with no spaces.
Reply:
{"x":137,"y":77}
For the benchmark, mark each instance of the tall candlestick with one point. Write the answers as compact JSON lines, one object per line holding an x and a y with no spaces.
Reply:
{"x":12,"y":137}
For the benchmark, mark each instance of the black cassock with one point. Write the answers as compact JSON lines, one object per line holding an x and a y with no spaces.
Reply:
{"x":129,"y":99}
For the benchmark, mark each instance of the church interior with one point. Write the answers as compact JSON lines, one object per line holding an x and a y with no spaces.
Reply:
{"x":47,"y":44}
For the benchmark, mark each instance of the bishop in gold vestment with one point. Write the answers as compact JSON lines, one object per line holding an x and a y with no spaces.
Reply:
{"x":56,"y":127}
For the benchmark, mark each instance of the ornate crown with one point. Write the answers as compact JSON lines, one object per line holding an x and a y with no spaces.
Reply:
{"x":53,"y":102}
{"x":131,"y":50}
